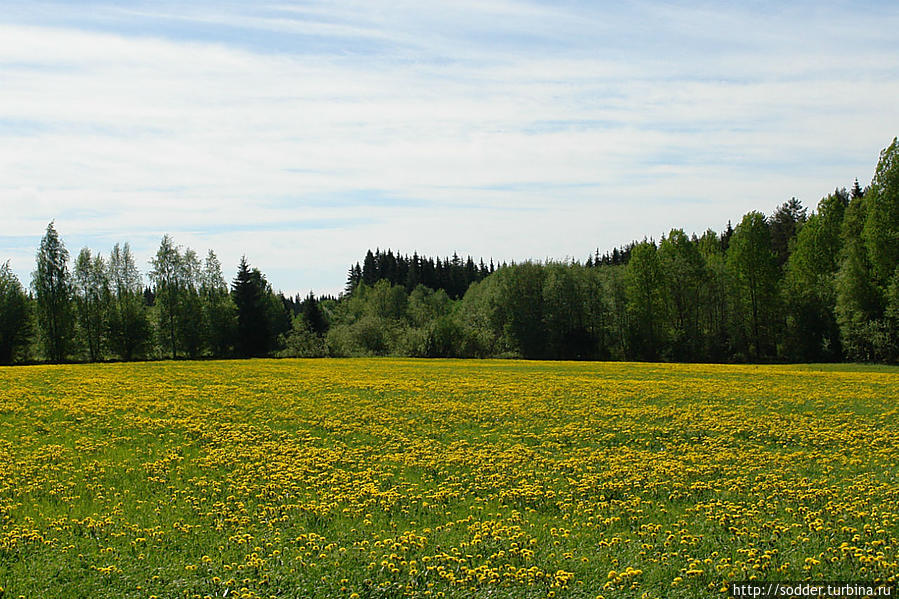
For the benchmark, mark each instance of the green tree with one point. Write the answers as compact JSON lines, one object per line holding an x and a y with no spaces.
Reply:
{"x":15,"y":324}
{"x":434,"y":332}
{"x":219,"y":311}
{"x":784,"y":224}
{"x":754,"y":268}
{"x":870,"y":265}
{"x":261,"y":316}
{"x":92,"y":299}
{"x":302,"y":342}
{"x":597,"y":312}
{"x":646,"y":301}
{"x":881,"y":234}
{"x":684,"y":275}
{"x":129,"y":327}
{"x":809,"y":289}
{"x":522,"y":301}
{"x":313,"y":315}
{"x":614,"y":288}
{"x":426,"y":305}
{"x":859,"y":301}
{"x":167,"y":276}
{"x":52,"y":286}
{"x":565,"y":317}
{"x":376,"y":322}
{"x":481,"y":317}
{"x":714,"y":305}
{"x":881,"y":229}
{"x":189,"y":312}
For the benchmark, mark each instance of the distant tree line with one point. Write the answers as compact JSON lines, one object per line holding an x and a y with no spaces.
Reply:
{"x":792,"y":286}
{"x":451,"y":275}
{"x":102,"y":310}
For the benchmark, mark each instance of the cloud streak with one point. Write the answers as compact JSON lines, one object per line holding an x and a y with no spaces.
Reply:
{"x":302,"y":134}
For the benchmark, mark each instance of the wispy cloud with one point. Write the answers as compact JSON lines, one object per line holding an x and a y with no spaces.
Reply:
{"x":304,"y":133}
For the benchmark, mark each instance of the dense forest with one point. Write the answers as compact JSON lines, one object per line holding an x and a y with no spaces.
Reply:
{"x":792,"y":286}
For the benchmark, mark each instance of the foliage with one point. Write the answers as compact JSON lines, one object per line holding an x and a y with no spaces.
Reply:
{"x":129,"y":326}
{"x":302,"y":342}
{"x":15,"y":323}
{"x":92,"y":299}
{"x":752,"y":262}
{"x":167,"y":276}
{"x":52,"y":286}
{"x":790,"y":287}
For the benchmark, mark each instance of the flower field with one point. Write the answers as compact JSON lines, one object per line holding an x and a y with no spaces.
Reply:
{"x":393,"y":478}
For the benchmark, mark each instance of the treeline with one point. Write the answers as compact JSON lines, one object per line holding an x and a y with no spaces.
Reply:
{"x":102,"y":310}
{"x":792,"y":286}
{"x":451,"y":275}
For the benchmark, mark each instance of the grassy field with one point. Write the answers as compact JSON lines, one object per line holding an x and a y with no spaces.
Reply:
{"x":389,"y":478}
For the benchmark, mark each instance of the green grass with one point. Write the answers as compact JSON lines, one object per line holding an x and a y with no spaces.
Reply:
{"x":389,"y":478}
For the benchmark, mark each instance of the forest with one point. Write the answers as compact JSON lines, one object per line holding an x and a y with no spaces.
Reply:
{"x":792,"y":286}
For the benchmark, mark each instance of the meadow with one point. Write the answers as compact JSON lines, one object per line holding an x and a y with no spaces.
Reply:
{"x":393,"y":478}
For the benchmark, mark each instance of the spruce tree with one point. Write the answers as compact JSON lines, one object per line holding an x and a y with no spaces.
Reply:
{"x":255,"y":311}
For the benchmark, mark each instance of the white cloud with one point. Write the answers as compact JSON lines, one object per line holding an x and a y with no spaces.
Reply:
{"x":443,"y":138}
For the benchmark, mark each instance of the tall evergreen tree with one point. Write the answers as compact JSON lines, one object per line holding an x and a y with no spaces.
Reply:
{"x":52,"y":286}
{"x":250,"y":291}
{"x":313,"y":316}
{"x":15,"y":324}
{"x":370,"y":274}
{"x":354,"y":277}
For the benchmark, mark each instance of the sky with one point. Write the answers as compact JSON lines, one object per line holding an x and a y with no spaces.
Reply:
{"x":301,"y":134}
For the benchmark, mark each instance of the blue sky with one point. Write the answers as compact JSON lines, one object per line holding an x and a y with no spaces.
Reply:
{"x":303,"y":133}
